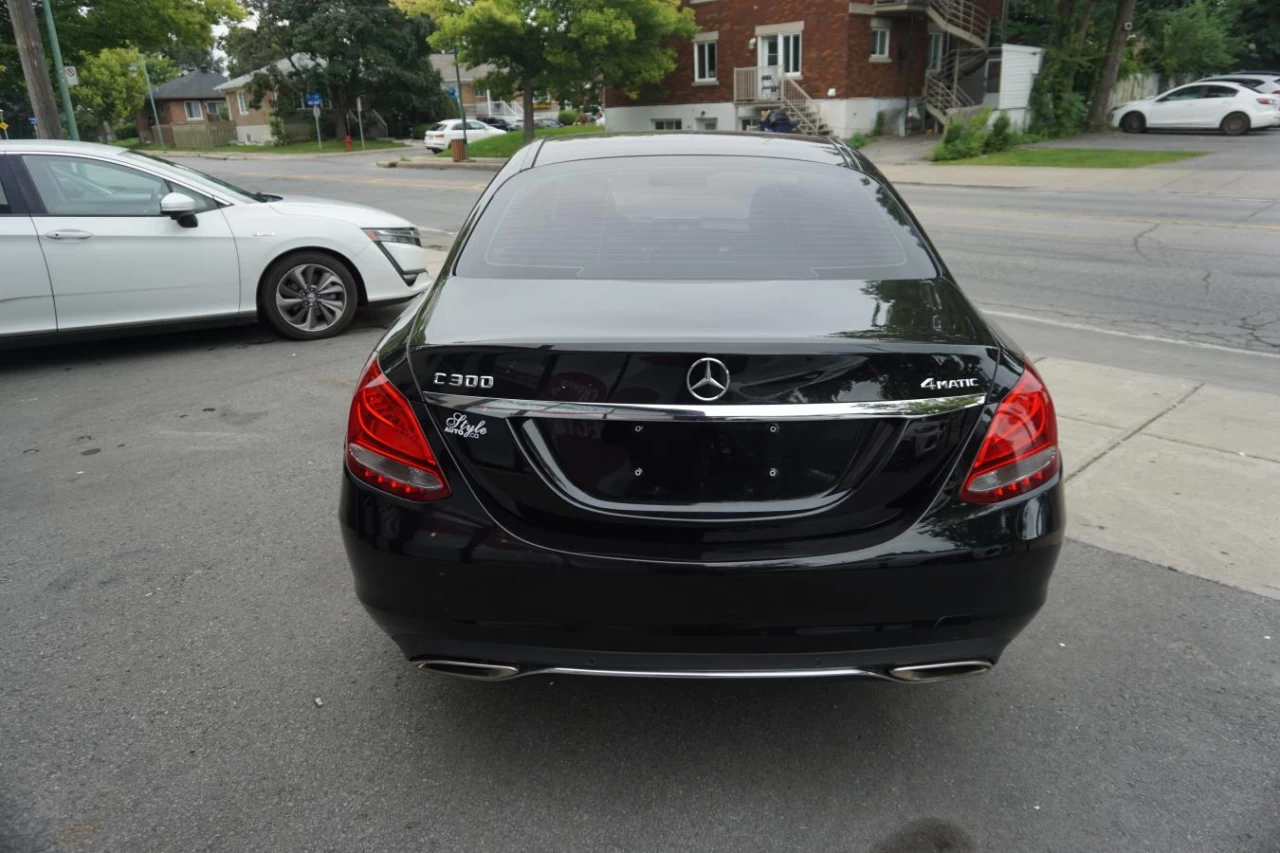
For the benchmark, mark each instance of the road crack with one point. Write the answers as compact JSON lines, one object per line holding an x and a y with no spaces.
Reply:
{"x":1137,"y":248}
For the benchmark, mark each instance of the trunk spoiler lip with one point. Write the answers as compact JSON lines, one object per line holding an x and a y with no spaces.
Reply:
{"x":499,"y":407}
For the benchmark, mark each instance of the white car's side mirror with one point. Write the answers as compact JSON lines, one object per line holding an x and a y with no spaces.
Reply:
{"x":180,"y":208}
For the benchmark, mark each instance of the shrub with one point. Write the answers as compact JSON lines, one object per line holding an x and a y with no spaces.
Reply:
{"x":858,"y":140}
{"x":126,"y":131}
{"x":420,"y":129}
{"x":279,"y":133}
{"x":568,"y":117}
{"x":879,"y":126}
{"x":999,"y":137}
{"x":964,"y":137}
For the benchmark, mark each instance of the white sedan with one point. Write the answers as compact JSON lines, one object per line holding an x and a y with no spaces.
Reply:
{"x":95,"y":237}
{"x":440,"y":134}
{"x":1228,"y":107}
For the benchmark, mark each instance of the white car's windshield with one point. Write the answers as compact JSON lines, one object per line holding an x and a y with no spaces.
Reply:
{"x":240,"y":193}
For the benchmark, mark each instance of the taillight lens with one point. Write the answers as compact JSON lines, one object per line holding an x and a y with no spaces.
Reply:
{"x":385,"y":444}
{"x":1020,"y":451}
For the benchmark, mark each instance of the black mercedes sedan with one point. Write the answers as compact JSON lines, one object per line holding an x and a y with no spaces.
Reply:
{"x":699,"y":406}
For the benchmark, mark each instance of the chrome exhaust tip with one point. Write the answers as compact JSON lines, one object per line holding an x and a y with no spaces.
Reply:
{"x":925,"y":672}
{"x":470,"y":669}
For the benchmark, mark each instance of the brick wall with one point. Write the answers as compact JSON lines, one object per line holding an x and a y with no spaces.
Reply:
{"x":836,"y":51}
{"x":259,"y":116}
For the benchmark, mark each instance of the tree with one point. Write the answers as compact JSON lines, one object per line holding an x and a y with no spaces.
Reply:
{"x":111,"y":92}
{"x":86,"y":27}
{"x":1111,"y":65}
{"x":1257,"y":27}
{"x":560,"y":45}
{"x":341,"y":49}
{"x":1193,"y":39}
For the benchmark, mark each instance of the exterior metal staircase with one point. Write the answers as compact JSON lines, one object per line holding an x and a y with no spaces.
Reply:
{"x":963,"y":21}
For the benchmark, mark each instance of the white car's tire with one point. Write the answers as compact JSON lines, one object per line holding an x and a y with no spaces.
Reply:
{"x":1235,"y":124}
{"x":1133,"y":123}
{"x":309,"y":295}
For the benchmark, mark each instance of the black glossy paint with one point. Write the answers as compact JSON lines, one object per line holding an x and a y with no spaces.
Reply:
{"x":552,"y":550}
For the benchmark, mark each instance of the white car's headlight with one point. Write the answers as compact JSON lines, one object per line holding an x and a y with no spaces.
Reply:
{"x":394,"y":235}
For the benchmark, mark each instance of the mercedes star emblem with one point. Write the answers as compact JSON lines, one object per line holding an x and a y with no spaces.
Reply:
{"x":708,"y":379}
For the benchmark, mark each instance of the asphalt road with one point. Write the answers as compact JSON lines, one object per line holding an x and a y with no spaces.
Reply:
{"x":1179,"y":268}
{"x":185,"y":668}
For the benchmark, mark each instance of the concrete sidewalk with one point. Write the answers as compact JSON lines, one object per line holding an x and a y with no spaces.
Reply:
{"x":1174,"y":472}
{"x":1254,"y":183}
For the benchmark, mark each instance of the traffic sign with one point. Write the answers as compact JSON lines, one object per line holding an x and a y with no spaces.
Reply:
{"x":315,"y":112}
{"x":4,"y":125}
{"x":453,"y":93}
{"x":313,"y":99}
{"x":32,"y":119}
{"x":73,"y":76}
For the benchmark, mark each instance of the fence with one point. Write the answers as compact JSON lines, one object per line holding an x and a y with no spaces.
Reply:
{"x":1145,"y":85}
{"x":213,"y":134}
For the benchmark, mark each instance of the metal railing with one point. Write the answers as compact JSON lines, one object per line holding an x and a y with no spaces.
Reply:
{"x":801,"y":108}
{"x":757,"y":84}
{"x":963,"y":17}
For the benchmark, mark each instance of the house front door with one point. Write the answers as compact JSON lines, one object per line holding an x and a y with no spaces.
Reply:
{"x":767,"y":58}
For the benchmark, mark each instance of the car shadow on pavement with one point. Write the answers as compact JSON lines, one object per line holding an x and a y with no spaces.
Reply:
{"x":161,"y":342}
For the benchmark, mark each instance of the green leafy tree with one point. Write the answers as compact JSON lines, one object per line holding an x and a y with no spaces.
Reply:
{"x":1256,"y":23}
{"x":111,"y":92}
{"x":1193,"y":39}
{"x":343,"y":50}
{"x":177,"y":28}
{"x":561,"y":45}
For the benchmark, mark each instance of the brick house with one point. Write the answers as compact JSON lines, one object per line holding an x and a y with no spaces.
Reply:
{"x":190,"y":105}
{"x":253,"y":124}
{"x":833,"y":66}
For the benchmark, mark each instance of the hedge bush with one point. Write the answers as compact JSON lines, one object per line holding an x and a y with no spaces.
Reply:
{"x":568,"y":117}
{"x":970,"y":137}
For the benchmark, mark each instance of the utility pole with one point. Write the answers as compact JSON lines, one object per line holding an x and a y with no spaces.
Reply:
{"x":1111,"y":67}
{"x":31,"y":50}
{"x":151,"y":96}
{"x":58,"y":68}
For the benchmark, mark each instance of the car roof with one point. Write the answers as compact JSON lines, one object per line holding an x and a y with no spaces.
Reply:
{"x":594,"y":146}
{"x":59,"y":146}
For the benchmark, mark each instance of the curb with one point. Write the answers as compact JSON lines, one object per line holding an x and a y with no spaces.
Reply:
{"x":482,"y":165}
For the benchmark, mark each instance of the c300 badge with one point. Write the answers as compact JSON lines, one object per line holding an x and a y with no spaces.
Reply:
{"x":459,"y":425}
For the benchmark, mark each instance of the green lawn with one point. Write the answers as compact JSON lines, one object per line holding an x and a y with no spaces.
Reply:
{"x":1077,"y":158}
{"x":330,"y":146}
{"x":509,"y":143}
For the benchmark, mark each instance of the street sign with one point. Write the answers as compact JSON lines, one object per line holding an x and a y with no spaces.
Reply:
{"x":313,"y":99}
{"x":453,"y":93}
{"x":73,"y":76}
{"x":32,"y":119}
{"x":4,"y":125}
{"x":315,"y":112}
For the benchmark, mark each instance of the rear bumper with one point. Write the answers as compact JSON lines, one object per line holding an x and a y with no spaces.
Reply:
{"x":444,"y":585}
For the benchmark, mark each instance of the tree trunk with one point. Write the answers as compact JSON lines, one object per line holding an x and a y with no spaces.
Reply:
{"x":1111,"y":67}
{"x":339,"y":118}
{"x":527,"y":98}
{"x":108,"y":132}
{"x":34,"y":69}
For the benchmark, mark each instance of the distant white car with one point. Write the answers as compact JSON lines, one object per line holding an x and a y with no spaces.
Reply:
{"x":440,"y":134}
{"x":96,"y":237}
{"x":1264,"y":82}
{"x":1229,"y":107}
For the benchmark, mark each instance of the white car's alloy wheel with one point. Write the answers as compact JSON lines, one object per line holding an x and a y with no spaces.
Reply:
{"x":311,"y":295}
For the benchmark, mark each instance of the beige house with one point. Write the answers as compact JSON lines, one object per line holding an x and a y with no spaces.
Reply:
{"x":253,"y":124}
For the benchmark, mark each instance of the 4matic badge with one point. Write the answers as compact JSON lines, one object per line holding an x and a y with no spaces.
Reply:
{"x":943,"y":384}
{"x":459,"y":425}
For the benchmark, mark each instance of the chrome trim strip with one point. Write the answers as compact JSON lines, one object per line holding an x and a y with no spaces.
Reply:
{"x":828,"y":672}
{"x":502,"y":408}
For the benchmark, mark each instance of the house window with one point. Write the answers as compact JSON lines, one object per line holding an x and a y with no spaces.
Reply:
{"x":216,"y":110}
{"x":880,"y":41}
{"x":193,"y":110}
{"x":704,"y":62}
{"x":707,"y":123}
{"x":667,"y":124}
{"x":936,"y":45}
{"x":242,"y":102}
{"x":790,"y":53}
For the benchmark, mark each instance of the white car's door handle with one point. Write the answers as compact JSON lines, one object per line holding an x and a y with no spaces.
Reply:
{"x":68,"y":234}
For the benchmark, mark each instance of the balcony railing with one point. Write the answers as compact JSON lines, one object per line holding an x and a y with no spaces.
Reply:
{"x":757,"y":85}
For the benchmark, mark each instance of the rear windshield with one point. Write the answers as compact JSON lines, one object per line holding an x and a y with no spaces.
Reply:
{"x":437,"y":126}
{"x":694,"y":218}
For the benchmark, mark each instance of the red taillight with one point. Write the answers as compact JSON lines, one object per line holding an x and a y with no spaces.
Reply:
{"x":1020,"y":451}
{"x":1271,"y":102}
{"x":385,"y":444}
